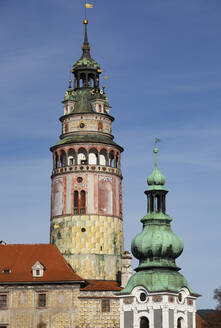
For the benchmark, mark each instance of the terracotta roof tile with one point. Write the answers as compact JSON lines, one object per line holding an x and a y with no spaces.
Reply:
{"x":200,"y":323}
{"x":19,"y":259}
{"x":101,"y":285}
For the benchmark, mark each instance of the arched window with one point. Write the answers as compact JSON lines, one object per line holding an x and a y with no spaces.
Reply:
{"x":103,"y":157}
{"x":93,"y":156}
{"x":111,"y":158}
{"x":91,"y":80}
{"x":157,"y":203}
{"x":117,"y":161}
{"x":76,"y":204}
{"x":82,"y":156}
{"x":151,"y":204}
{"x":180,"y":323}
{"x":56,"y":161}
{"x":83,"y":202}
{"x":100,"y":108}
{"x":71,"y":157}
{"x":63,"y":159}
{"x":144,"y":322}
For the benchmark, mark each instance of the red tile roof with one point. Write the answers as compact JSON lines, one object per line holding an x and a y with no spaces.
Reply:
{"x":200,"y":323}
{"x":101,"y":285}
{"x":20,"y":258}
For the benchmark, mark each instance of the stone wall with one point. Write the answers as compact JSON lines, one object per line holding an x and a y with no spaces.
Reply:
{"x":91,"y":244}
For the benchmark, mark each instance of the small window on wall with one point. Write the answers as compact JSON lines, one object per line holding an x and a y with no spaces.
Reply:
{"x":3,"y":301}
{"x":42,"y":300}
{"x":100,"y":108}
{"x":79,"y":202}
{"x":105,"y":305}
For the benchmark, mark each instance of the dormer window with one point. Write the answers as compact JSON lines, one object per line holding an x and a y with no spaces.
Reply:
{"x":37,"y":270}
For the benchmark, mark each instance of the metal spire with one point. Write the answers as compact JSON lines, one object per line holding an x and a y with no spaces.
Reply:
{"x":86,"y":45}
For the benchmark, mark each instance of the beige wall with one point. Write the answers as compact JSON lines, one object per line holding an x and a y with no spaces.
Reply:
{"x":66,"y":307}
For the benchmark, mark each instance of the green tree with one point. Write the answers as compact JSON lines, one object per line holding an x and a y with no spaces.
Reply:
{"x":217,"y":297}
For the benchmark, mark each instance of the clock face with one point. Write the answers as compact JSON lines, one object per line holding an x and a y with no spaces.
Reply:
{"x":73,"y":93}
{"x":92,"y":91}
{"x":66,"y":93}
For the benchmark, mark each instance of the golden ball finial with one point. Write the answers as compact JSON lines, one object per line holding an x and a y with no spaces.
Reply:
{"x":85,"y":21}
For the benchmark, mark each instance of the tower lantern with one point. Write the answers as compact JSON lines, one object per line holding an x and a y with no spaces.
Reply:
{"x":86,"y":202}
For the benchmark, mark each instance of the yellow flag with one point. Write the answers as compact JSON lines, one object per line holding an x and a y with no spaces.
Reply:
{"x":89,"y":5}
{"x":105,"y":77}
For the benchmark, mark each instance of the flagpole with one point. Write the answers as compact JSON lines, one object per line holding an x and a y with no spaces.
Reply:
{"x":85,"y":10}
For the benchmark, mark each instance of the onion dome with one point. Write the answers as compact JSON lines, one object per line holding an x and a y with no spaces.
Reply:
{"x":157,"y":247}
{"x":156,"y":178}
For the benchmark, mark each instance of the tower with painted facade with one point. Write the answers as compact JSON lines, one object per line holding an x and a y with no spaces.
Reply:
{"x":86,"y":201}
{"x":157,"y":295}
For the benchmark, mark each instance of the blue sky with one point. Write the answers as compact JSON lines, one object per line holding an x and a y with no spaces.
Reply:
{"x":163,"y":62}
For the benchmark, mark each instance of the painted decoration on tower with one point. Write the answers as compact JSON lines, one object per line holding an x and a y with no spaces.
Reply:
{"x":57,"y":201}
{"x":105,"y":192}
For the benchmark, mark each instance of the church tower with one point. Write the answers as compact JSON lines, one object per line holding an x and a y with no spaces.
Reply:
{"x":86,"y":196}
{"x":157,"y":295}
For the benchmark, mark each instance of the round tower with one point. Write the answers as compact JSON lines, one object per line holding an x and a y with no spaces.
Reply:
{"x":86,"y":197}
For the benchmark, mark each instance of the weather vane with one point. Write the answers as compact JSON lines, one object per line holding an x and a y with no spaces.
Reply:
{"x":87,"y":5}
{"x":156,"y":141}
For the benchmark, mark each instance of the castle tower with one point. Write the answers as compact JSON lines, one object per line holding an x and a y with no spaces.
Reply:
{"x":86,"y":197}
{"x":157,"y":295}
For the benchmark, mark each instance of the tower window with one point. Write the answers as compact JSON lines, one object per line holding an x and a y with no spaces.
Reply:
{"x":100,"y":126}
{"x":76,"y":207}
{"x":82,"y":202}
{"x":100,"y":108}
{"x":105,"y":305}
{"x":79,"y":202}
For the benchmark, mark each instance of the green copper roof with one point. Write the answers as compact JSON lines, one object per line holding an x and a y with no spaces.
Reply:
{"x":157,"y":246}
{"x":86,"y":138}
{"x":86,"y":61}
{"x":158,"y":280}
{"x":83,"y":104}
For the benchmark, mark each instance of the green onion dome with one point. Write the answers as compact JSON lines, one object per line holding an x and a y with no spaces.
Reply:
{"x":156,"y":178}
{"x":157,"y":245}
